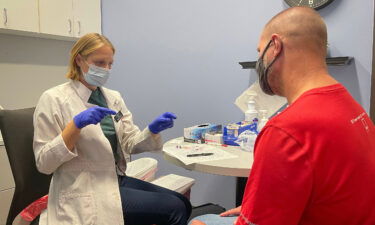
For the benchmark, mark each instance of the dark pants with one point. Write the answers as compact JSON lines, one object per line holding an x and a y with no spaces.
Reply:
{"x":144,"y":203}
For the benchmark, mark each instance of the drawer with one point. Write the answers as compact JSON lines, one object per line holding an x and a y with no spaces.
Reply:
{"x":6,"y":177}
{"x":6,"y":198}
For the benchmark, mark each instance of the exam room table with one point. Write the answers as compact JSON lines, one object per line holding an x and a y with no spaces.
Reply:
{"x":238,"y":166}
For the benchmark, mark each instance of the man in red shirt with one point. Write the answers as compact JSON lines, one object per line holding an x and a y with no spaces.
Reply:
{"x":314,"y":163}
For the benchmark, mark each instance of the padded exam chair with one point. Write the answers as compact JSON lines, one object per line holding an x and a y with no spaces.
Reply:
{"x":18,"y":131}
{"x":145,"y":168}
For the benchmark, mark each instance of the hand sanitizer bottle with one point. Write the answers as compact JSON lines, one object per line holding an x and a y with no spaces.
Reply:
{"x":251,"y":113}
{"x":263,"y":120}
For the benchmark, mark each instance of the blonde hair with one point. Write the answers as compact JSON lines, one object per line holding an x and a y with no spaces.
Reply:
{"x":86,"y":45}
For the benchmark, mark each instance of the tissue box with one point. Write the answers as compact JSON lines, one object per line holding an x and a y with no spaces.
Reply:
{"x":195,"y":134}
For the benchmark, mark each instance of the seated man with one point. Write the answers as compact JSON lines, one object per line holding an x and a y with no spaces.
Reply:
{"x":314,"y":163}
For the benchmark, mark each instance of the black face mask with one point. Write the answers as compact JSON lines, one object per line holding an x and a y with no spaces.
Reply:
{"x":262,"y":71}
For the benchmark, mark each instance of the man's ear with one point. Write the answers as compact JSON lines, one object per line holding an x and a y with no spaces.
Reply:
{"x":278,"y":44}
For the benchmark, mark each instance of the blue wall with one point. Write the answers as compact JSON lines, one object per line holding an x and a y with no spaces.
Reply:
{"x":181,"y":56}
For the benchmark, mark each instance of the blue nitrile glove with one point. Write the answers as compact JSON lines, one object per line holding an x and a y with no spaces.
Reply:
{"x":91,"y":115}
{"x":163,"y":122}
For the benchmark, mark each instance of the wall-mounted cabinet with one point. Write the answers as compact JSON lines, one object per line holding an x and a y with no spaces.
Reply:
{"x":71,"y":18}
{"x":87,"y":17}
{"x":19,"y":15}
{"x":56,"y":19}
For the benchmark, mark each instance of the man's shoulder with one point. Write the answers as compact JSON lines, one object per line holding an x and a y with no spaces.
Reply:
{"x":320,"y":113}
{"x":316,"y":106}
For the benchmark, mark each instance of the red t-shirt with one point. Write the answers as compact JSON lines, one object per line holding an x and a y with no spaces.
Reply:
{"x":314,"y":164}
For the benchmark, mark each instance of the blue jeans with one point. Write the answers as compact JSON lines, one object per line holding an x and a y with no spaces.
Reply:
{"x":144,"y":203}
{"x":213,"y":219}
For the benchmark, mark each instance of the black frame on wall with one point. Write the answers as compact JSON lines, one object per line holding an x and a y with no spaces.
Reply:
{"x":372,"y":100}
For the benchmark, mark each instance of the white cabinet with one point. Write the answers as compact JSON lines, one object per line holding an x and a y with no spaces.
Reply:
{"x":6,"y":184}
{"x":6,"y":199}
{"x":87,"y":17}
{"x":6,"y":178}
{"x":72,"y":18}
{"x":21,"y":15}
{"x":56,"y":17}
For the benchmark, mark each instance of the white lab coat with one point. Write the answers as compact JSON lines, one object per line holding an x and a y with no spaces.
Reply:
{"x":84,"y":187}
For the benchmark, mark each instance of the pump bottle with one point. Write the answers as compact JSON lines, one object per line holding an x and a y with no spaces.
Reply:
{"x":251,"y":113}
{"x":263,"y":120}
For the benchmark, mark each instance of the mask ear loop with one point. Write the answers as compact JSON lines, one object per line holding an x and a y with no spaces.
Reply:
{"x":268,"y":66}
{"x":265,"y":49}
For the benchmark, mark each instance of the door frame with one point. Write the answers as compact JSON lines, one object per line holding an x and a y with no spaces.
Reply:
{"x":372,"y":100}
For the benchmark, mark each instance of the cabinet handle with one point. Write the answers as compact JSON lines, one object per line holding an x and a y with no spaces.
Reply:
{"x":70,"y":26}
{"x":5,"y":16}
{"x":79,"y":28}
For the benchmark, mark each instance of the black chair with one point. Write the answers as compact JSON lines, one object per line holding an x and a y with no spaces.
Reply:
{"x":208,"y":208}
{"x":18,"y":130}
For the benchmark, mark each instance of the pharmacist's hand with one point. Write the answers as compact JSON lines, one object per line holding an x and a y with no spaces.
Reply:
{"x":91,"y":115}
{"x":232,"y":212}
{"x":163,"y":122}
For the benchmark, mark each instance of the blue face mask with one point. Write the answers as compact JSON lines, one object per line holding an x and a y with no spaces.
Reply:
{"x":96,"y":76}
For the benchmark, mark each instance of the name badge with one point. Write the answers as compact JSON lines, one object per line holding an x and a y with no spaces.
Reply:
{"x":118,"y":116}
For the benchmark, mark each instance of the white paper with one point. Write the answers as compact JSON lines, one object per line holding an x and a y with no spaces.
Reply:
{"x":180,"y":150}
{"x":263,"y":101}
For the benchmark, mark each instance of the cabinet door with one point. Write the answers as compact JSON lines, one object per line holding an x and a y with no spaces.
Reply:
{"x":20,"y":15}
{"x":6,"y":199}
{"x":6,"y":180}
{"x":2,"y":16}
{"x":56,"y":17}
{"x":87,"y":17}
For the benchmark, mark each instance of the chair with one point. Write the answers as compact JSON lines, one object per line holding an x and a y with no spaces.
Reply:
{"x":17,"y":130}
{"x":143,"y":168}
{"x":208,"y":208}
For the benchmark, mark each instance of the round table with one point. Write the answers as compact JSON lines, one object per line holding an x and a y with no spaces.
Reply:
{"x":237,"y":167}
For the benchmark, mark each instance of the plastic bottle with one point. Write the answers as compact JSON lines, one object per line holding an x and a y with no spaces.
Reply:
{"x":263,"y":120}
{"x":251,"y":113}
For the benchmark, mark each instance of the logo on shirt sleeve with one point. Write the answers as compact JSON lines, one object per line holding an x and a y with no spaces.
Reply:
{"x":361,"y":118}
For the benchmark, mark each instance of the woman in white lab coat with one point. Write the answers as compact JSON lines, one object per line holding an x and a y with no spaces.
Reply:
{"x":83,"y":135}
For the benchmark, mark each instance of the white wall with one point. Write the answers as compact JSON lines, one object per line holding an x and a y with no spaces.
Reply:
{"x":28,"y":66}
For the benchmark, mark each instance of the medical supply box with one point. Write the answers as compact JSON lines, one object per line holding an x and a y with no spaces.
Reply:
{"x":196,"y":134}
{"x":231,"y":131}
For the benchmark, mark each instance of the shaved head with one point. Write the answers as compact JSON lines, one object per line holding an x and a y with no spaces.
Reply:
{"x":302,"y":26}
{"x":292,"y":53}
